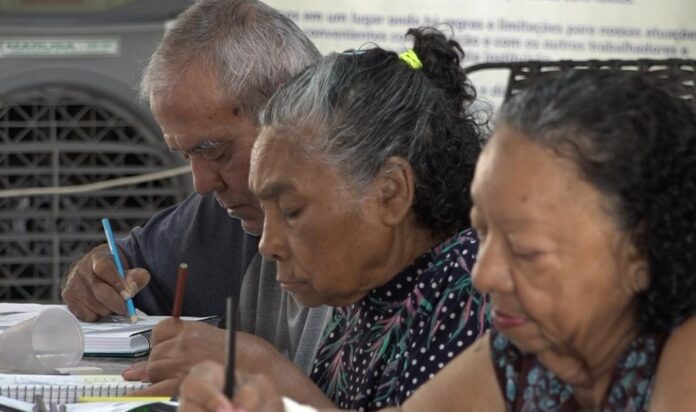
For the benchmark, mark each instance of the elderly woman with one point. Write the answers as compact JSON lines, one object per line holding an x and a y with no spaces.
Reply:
{"x":363,"y":169}
{"x":587,"y":251}
{"x":584,"y":204}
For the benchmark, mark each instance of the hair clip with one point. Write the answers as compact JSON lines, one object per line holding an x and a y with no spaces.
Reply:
{"x":353,"y":52}
{"x":411,"y":58}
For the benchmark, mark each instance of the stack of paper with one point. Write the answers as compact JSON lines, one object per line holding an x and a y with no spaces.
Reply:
{"x":117,"y":336}
{"x":112,"y":336}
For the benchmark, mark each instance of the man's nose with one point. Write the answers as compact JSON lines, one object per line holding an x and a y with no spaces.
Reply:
{"x":206,"y":176}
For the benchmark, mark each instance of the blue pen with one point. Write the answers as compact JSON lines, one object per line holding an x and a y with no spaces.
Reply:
{"x":117,"y":260}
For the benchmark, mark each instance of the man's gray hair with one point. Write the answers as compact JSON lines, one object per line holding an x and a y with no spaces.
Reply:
{"x":250,"y":46}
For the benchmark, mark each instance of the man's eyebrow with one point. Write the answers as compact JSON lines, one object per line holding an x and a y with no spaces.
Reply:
{"x":203,"y":146}
{"x":274,"y":189}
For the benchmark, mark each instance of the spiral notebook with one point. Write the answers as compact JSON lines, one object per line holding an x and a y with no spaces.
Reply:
{"x":61,"y":389}
{"x":12,"y":405}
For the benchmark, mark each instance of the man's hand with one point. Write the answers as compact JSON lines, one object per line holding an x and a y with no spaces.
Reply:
{"x":202,"y":391}
{"x":94,"y":289}
{"x":178,"y":345}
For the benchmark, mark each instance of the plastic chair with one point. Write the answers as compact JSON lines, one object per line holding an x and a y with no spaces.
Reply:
{"x":677,"y":76}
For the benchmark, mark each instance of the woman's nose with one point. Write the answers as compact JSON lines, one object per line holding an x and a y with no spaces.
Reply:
{"x":273,"y":243}
{"x":491,"y":272}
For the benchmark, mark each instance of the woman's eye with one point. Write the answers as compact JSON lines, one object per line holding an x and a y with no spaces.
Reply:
{"x":526,"y":253}
{"x":291,"y":213}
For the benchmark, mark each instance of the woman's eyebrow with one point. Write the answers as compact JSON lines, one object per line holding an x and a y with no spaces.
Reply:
{"x":273,"y":189}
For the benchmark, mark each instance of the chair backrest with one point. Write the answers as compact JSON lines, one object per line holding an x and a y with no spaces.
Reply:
{"x":677,"y":76}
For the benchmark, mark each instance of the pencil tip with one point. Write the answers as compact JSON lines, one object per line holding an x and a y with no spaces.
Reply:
{"x":134,"y":319}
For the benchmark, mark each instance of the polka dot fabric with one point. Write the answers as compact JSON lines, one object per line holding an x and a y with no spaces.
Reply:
{"x":376,"y":352}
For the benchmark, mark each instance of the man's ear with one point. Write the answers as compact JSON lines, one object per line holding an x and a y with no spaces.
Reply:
{"x":395,"y":190}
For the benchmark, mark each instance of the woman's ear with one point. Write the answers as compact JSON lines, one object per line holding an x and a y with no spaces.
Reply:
{"x":395,"y":190}
{"x":637,"y":274}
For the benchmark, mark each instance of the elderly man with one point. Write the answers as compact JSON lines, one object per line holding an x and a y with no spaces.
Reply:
{"x":212,"y":73}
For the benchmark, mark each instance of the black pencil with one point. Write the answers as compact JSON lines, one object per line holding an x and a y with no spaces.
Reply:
{"x":231,"y":336}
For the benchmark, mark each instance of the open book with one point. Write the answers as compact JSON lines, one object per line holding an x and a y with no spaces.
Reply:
{"x":112,"y":336}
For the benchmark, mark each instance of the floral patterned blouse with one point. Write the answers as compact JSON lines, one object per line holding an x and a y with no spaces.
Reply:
{"x":528,"y":386}
{"x":376,"y":352}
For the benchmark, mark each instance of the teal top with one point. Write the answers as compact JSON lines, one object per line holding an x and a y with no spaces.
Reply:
{"x":529,"y":386}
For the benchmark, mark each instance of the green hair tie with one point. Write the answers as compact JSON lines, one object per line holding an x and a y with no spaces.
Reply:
{"x":411,"y":58}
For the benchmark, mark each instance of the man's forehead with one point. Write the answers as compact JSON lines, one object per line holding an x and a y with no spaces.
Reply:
{"x":198,"y":112}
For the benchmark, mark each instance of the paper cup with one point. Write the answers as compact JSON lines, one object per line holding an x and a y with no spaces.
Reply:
{"x":52,"y":339}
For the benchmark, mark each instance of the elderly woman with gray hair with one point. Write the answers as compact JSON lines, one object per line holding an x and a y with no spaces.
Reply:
{"x":363,"y":168}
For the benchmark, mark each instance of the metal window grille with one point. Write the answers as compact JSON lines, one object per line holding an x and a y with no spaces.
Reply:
{"x":55,"y":135}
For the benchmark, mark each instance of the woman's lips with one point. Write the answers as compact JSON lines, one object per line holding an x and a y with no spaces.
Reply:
{"x":502,"y":320}
{"x":290,"y":285}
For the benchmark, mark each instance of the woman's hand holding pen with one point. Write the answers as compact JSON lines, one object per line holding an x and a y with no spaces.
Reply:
{"x":176,"y":346}
{"x":202,"y":391}
{"x":94,"y":288}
